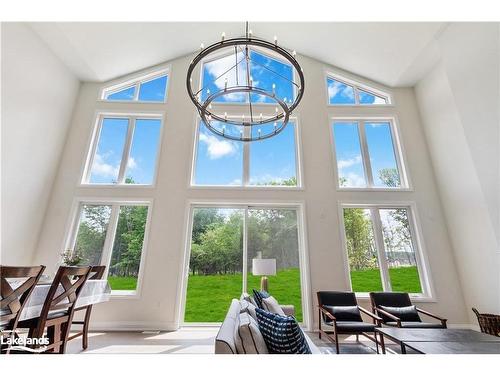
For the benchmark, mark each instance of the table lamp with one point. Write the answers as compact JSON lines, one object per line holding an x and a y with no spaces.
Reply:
{"x":264,"y":268}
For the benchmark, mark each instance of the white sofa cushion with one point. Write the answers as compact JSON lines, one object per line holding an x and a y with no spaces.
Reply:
{"x":270,"y":304}
{"x":248,"y":308}
{"x":247,"y":336}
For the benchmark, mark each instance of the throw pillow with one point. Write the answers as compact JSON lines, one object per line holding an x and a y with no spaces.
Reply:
{"x":406,"y":313}
{"x":248,"y":308}
{"x":247,"y":336}
{"x":344,"y":313}
{"x":282,"y":334}
{"x":247,"y":297}
{"x":270,"y":304}
{"x":258,"y":296}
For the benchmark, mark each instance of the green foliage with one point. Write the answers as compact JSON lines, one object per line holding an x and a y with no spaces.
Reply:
{"x":92,"y":233}
{"x":390,"y":177}
{"x":71,"y":258}
{"x":292,"y":181}
{"x":359,"y":239}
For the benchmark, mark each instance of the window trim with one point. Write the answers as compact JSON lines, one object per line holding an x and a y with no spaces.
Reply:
{"x":115,"y":203}
{"x":246,"y":164}
{"x":135,"y":81}
{"x":298,"y":205}
{"x":356,"y":85}
{"x":397,"y":145}
{"x":84,"y":181}
{"x":421,"y":258}
{"x":262,"y":51}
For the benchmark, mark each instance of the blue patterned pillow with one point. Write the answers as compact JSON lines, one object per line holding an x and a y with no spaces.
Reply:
{"x":282,"y":334}
{"x":259,"y":296}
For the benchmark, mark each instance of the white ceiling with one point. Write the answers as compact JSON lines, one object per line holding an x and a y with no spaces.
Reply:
{"x":394,"y":54}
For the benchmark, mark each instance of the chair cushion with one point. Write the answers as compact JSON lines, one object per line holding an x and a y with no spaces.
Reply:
{"x":344,"y":313}
{"x":351,"y":327}
{"x":336,"y":298}
{"x":282,"y":334}
{"x":270,"y":304}
{"x":395,"y":299}
{"x":406,"y":314}
{"x":415,"y":325}
{"x":247,"y":337}
{"x":258,"y":296}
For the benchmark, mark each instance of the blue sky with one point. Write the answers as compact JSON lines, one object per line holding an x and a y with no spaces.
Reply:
{"x":341,"y":93}
{"x":348,"y":151}
{"x":149,"y":91}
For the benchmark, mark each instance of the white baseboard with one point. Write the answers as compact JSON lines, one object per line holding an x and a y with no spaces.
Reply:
{"x":133,"y":326}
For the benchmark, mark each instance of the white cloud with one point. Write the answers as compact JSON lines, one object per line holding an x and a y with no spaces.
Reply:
{"x":217,"y":67}
{"x":346,"y":163}
{"x":103,"y":169}
{"x":217,"y":148}
{"x":354,"y":180}
{"x":335,"y":87}
{"x":131,"y":164}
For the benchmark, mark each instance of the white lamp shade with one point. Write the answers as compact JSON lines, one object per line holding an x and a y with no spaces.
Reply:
{"x":263,"y":267}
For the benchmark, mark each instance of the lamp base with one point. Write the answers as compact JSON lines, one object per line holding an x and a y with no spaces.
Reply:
{"x":264,"y":283}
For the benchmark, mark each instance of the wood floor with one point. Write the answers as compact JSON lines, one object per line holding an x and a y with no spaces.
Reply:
{"x":188,"y":340}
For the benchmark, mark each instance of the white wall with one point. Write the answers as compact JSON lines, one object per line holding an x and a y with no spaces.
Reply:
{"x":459,"y":104}
{"x":158,"y":305}
{"x":38,"y":94}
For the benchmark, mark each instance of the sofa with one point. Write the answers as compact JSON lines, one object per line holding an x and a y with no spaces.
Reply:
{"x":230,"y":340}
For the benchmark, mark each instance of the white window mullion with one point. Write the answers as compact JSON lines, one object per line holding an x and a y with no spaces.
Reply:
{"x":246,"y":157}
{"x":379,"y":242}
{"x":245,"y":250}
{"x":93,"y":150}
{"x":365,"y":154}
{"x":403,"y":182}
{"x":126,"y":150}
{"x":107,"y":249}
{"x":136,"y":92}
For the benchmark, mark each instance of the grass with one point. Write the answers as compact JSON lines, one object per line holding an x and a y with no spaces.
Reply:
{"x":209,"y":297}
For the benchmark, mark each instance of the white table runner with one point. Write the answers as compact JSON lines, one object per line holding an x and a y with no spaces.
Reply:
{"x":94,"y":291}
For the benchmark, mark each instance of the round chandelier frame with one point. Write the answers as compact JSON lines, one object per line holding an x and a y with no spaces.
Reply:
{"x":245,"y":124}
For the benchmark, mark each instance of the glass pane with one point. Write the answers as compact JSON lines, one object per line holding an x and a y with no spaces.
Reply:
{"x":367,"y":98}
{"x":124,"y":94}
{"x":92,"y":229}
{"x":266,"y":71}
{"x":217,"y":72}
{"x":361,"y":251}
{"x":127,"y":248}
{"x":383,"y":160}
{"x":154,"y":90}
{"x":109,"y":152}
{"x":340,"y":93}
{"x":215,"y":265}
{"x":142,"y":160}
{"x":399,"y":250}
{"x":272,"y":234}
{"x":272,"y":161}
{"x":348,"y":154}
{"x":219,"y":161}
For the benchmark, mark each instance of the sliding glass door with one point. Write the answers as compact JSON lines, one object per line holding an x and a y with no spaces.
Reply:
{"x":224,"y":241}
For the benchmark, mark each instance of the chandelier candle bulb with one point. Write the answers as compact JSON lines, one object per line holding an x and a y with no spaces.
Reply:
{"x":260,"y":117}
{"x":275,"y":40}
{"x":225,"y":84}
{"x":294,"y":53}
{"x":223,"y":36}
{"x":250,"y":33}
{"x":225,"y":116}
{"x":202,"y":46}
{"x":274,"y":89}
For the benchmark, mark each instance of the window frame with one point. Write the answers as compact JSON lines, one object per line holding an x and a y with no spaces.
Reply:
{"x":115,"y":203}
{"x":399,"y":155}
{"x":357,"y":86}
{"x":259,"y":50}
{"x":421,"y":258}
{"x":94,"y":140}
{"x":246,"y":164}
{"x":136,"y":82}
{"x":298,"y":205}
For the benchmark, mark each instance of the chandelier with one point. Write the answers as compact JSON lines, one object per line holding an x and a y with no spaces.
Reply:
{"x":235,"y":81}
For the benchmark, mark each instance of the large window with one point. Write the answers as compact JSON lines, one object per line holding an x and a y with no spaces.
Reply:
{"x":382,"y":249}
{"x":150,"y":88}
{"x":112,"y":235}
{"x":124,"y":150}
{"x":224,"y":242}
{"x":270,"y":162}
{"x":344,"y":92}
{"x":368,"y":154}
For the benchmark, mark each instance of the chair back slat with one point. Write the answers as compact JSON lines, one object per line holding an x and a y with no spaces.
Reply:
{"x":97,"y":272}
{"x":14,"y":298}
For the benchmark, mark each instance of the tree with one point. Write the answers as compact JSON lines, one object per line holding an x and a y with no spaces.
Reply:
{"x":202,"y":219}
{"x":389,"y":177}
{"x":359,"y":237}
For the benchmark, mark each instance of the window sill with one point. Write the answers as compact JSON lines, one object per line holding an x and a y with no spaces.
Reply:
{"x":419,"y":298}
{"x":352,"y":189}
{"x":113,"y":186}
{"x":357,"y":106}
{"x":248,"y":188}
{"x":124,"y":294}
{"x":130,"y":101}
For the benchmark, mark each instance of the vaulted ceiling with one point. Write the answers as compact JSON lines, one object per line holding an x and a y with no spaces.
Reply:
{"x":394,"y":54}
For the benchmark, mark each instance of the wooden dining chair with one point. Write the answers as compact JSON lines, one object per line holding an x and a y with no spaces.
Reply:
{"x":58,"y":308}
{"x":17,"y":284}
{"x":96,"y":273}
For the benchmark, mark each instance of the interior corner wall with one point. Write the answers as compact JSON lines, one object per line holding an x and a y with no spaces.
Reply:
{"x":459,"y":106}
{"x":38,"y":95}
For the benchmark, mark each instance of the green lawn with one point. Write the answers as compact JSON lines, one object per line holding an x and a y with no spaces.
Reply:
{"x":209,"y":297}
{"x":122,"y":283}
